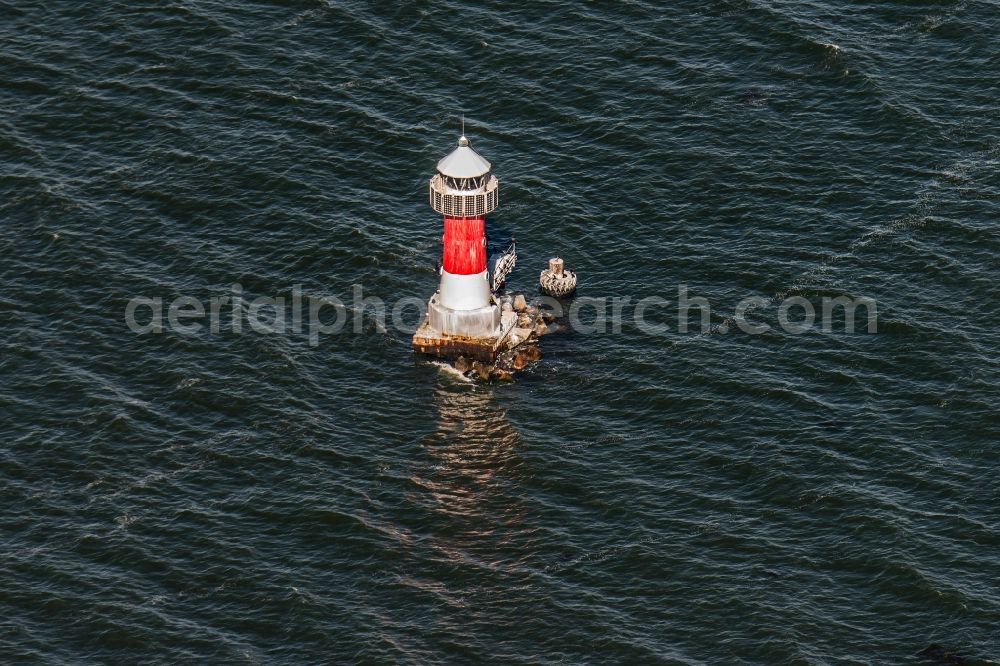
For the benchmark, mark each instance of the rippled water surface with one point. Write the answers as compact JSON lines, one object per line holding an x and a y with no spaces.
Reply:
{"x":716,"y":498}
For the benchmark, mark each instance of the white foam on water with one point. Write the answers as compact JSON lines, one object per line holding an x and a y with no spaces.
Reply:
{"x":449,"y":369}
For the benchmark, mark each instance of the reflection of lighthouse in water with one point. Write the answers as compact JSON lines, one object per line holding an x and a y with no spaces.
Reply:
{"x":474,"y":458}
{"x":463,"y":316}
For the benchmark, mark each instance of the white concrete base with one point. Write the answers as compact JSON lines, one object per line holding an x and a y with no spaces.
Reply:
{"x":481,"y":345}
{"x":480,"y":322}
{"x":465,"y":292}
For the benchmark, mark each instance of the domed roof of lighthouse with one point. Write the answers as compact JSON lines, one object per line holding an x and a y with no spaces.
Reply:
{"x":463,"y":162}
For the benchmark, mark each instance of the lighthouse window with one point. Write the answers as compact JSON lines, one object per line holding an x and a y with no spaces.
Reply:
{"x":465,"y":184}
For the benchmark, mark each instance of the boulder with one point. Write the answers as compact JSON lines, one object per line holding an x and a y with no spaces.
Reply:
{"x":541,"y":328}
{"x":520,"y":305}
{"x":519,"y":335}
{"x":484,"y":371}
{"x":503,"y":375}
{"x":462,"y":364}
{"x":520,"y":362}
{"x":531,"y":352}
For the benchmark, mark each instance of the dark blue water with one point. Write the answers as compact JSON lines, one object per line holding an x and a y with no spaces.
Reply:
{"x":682,"y":498}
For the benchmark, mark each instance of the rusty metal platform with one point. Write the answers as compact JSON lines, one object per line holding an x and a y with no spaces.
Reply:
{"x":485,"y":349}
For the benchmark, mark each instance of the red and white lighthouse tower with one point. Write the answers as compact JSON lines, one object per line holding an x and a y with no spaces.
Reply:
{"x":464,"y":190}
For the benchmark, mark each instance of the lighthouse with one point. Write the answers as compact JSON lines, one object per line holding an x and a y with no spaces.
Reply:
{"x":463,"y":316}
{"x":464,"y":190}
